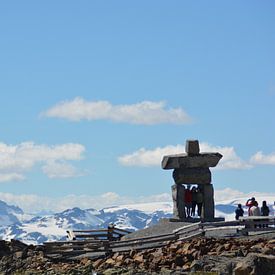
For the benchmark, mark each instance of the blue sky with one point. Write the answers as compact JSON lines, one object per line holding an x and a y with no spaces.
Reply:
{"x":94,"y":93}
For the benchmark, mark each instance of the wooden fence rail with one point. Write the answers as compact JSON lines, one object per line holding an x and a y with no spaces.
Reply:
{"x":105,"y":241}
{"x":244,"y":225}
{"x":111,"y":233}
{"x":92,"y":241}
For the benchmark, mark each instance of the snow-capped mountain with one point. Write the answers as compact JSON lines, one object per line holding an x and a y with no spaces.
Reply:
{"x":10,"y":214}
{"x":51,"y":227}
{"x":14,"y":224}
{"x":39,"y":229}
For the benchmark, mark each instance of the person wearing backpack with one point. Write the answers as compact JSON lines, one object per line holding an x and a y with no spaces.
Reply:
{"x":239,"y":212}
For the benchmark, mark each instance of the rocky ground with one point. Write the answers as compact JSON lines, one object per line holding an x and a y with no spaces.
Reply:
{"x":238,"y":256}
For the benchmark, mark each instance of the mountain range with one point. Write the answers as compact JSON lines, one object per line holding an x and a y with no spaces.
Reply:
{"x":36,"y":229}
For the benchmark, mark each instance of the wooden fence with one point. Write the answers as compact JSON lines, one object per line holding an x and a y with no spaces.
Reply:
{"x":255,"y":224}
{"x":111,"y":233}
{"x":85,"y":241}
{"x":94,"y":243}
{"x":98,"y":242}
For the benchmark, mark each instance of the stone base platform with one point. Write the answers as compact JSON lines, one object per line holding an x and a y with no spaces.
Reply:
{"x":164,"y":226}
{"x":193,"y":220}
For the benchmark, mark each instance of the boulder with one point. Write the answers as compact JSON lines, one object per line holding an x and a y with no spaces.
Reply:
{"x":256,"y":264}
{"x":203,"y":160}
{"x":178,"y":192}
{"x":192,"y":176}
{"x":208,"y":211}
{"x":192,"y":147}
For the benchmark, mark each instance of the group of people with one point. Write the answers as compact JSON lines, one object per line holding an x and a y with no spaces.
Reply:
{"x":193,"y":198}
{"x":253,"y":209}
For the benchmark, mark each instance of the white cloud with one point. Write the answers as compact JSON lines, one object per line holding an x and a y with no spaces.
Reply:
{"x":55,"y":169}
{"x":164,"y":197}
{"x":260,"y":158}
{"x":31,"y":203}
{"x":35,"y":204}
{"x":143,"y":157}
{"x":230,"y":159}
{"x":232,"y":196}
{"x":228,"y":194}
{"x":16,"y":160}
{"x":146,"y":112}
{"x":10,"y":177}
{"x":110,"y":196}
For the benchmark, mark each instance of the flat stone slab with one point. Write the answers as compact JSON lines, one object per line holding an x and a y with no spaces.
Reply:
{"x":203,"y":160}
{"x":192,"y":176}
{"x":191,"y":220}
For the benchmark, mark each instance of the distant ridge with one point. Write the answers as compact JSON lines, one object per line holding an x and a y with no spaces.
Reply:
{"x":15,"y":224}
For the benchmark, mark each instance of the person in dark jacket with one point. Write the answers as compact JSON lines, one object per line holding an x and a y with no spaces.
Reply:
{"x":239,"y":212}
{"x":188,"y":201}
{"x":264,"y":209}
{"x":194,"y":200}
{"x":199,"y":197}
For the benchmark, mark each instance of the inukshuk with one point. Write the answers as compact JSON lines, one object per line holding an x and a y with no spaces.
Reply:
{"x":192,"y":167}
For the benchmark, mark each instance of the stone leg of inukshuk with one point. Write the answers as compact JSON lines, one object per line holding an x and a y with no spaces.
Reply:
{"x":208,"y":208}
{"x":178,"y":192}
{"x":192,"y":168}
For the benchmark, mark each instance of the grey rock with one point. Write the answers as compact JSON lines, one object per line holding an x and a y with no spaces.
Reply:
{"x":175,"y":198}
{"x":256,"y":264}
{"x":18,"y":254}
{"x":204,"y":160}
{"x":178,"y":192}
{"x":192,"y":147}
{"x":192,"y":176}
{"x":208,"y":210}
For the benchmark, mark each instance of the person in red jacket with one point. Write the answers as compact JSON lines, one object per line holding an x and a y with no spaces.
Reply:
{"x":250,"y":202}
{"x":188,"y":201}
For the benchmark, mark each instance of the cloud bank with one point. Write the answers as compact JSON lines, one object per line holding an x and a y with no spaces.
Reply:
{"x":17,"y":160}
{"x":260,"y":158}
{"x":144,"y":113}
{"x":34,"y":204}
{"x":147,"y":158}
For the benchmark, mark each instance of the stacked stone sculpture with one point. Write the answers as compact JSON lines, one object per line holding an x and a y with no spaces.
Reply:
{"x":192,"y":167}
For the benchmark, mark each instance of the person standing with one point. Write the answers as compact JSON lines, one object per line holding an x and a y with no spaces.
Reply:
{"x":265,"y":212}
{"x":194,"y":200}
{"x":188,"y":201}
{"x":199,"y":197}
{"x":239,"y":212}
{"x":264,"y":209}
{"x":255,"y":210}
{"x":250,"y":202}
